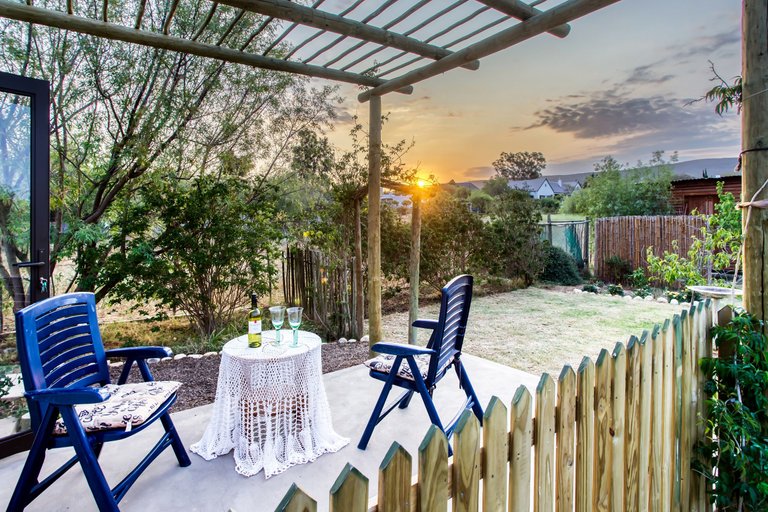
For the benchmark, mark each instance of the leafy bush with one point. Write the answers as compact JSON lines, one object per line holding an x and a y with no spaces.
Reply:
{"x":638,"y":279}
{"x":673,"y":270}
{"x":734,"y":454}
{"x":682,"y":295}
{"x":616,"y":289}
{"x":559,"y":267}
{"x":644,"y":292}
{"x":590,"y":288}
{"x":617,"y":269}
{"x":548,"y":204}
{"x":512,"y":247}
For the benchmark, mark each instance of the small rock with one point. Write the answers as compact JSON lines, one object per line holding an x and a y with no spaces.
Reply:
{"x":576,"y":290}
{"x":167,"y":359}
{"x":662,"y":299}
{"x":342,"y":340}
{"x":649,"y":298}
{"x":637,"y":297}
{"x":365,"y":339}
{"x":153,"y":360}
{"x":179,"y":356}
{"x":195,"y":356}
{"x":7,"y":426}
{"x":25,"y":422}
{"x":115,"y":365}
{"x":627,"y":297}
{"x":209,"y":354}
{"x":352,"y":340}
{"x":674,"y":302}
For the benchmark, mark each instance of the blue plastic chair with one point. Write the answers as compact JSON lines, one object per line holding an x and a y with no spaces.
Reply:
{"x":63,"y":363}
{"x":442,"y":352}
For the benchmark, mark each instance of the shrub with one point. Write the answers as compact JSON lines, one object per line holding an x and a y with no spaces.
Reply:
{"x":638,"y":279}
{"x":643,"y":292}
{"x":734,"y":453}
{"x":617,"y":269}
{"x":616,"y":289}
{"x":559,"y":267}
{"x":590,"y":288}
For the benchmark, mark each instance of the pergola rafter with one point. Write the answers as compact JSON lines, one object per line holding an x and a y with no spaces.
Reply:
{"x":368,"y":34}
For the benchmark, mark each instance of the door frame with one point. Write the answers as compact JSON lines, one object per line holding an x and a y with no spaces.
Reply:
{"x":39,"y":250}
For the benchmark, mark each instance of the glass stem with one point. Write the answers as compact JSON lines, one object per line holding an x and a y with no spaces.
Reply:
{"x":295,"y":337}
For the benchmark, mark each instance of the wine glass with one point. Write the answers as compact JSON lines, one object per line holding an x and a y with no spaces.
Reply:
{"x":278,"y":317}
{"x":294,"y":320}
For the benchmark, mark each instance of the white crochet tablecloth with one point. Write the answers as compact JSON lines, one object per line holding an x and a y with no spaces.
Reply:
{"x":270,"y":406}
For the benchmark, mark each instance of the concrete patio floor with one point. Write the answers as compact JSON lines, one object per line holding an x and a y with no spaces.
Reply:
{"x":215,"y":486}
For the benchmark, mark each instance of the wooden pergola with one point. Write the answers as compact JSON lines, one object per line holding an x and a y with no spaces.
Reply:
{"x":385,"y":45}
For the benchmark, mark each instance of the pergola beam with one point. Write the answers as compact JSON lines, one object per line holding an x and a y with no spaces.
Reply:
{"x":31,"y":14}
{"x":540,"y":23}
{"x":523,"y":11}
{"x":322,"y":20}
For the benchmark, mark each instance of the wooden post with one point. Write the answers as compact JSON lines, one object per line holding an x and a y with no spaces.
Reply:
{"x":358,"y":275}
{"x":374,"y":222}
{"x":413,"y":267}
{"x":754,"y":159}
{"x":549,"y":229}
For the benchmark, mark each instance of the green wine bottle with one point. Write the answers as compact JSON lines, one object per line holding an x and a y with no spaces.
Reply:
{"x":254,"y":324}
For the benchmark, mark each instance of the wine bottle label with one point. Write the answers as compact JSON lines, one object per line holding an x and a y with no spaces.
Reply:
{"x":254,"y":327}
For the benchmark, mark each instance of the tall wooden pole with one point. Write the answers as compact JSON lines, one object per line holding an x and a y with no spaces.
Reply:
{"x":358,"y":274}
{"x":413,"y":267}
{"x":754,"y":159}
{"x":374,"y":222}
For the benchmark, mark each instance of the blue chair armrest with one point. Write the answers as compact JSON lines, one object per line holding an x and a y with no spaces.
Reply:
{"x":425,"y":324}
{"x":399,"y":349}
{"x":140,"y":352}
{"x":68,"y":396}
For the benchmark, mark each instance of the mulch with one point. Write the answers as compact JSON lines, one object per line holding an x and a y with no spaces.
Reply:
{"x":199,"y":376}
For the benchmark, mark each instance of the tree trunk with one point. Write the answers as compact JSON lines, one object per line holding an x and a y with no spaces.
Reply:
{"x":374,"y":222}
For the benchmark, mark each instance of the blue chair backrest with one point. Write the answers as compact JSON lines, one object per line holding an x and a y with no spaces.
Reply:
{"x":448,"y":337}
{"x":60,"y":345}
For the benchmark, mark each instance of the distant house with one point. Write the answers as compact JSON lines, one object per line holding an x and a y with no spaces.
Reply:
{"x":700,"y":194}
{"x":539,"y":188}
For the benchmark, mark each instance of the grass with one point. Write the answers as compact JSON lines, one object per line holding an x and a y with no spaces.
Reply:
{"x":539,"y":330}
{"x":562,"y":217}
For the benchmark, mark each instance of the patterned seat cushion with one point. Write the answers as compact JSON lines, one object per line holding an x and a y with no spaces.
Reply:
{"x":129,"y":405}
{"x":383,"y":364}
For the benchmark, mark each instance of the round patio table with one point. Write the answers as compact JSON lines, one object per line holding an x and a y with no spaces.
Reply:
{"x":270,"y":406}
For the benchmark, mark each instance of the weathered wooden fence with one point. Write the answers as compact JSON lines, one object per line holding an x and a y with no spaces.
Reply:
{"x":629,"y":237}
{"x":616,"y":434}
{"x":324,"y":288}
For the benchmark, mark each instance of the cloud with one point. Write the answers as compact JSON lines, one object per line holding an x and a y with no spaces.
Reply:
{"x":706,"y":45}
{"x":479,"y":173}
{"x":343,"y":116}
{"x":647,"y":75}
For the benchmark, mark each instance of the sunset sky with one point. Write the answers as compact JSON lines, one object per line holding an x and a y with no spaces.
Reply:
{"x":620,"y":84}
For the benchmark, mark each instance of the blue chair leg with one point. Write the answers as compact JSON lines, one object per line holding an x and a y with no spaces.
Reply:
{"x":176,"y":444}
{"x":374,"y":420}
{"x":406,"y":400}
{"x":466,"y":385}
{"x":105,"y":500}
{"x":34,"y":462}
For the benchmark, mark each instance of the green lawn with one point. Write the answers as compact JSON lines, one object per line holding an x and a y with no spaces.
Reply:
{"x":539,"y":330}
{"x":562,"y":217}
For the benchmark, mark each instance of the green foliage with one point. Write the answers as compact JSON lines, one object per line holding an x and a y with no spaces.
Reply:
{"x":512,"y":247}
{"x":395,"y":244}
{"x":734,"y":453}
{"x":451,"y":240}
{"x":5,"y":382}
{"x":590,"y":288}
{"x":638,"y":279}
{"x":615,"y":190}
{"x":616,"y":289}
{"x":496,"y":186}
{"x":617,"y":269}
{"x":219,"y":244}
{"x":559,"y":267}
{"x":480,"y":201}
{"x":522,"y":165}
{"x":715,"y":249}
{"x":644,"y":291}
{"x":549,"y":204}
{"x":725,"y":95}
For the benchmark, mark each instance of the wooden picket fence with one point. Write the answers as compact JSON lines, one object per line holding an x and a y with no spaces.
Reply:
{"x":616,"y":434}
{"x":629,"y":238}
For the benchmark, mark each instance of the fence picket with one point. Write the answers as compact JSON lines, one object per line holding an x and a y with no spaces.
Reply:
{"x":433,"y":472}
{"x":395,"y":480}
{"x":603,"y":426}
{"x":585,"y":432}
{"x":668,"y":417}
{"x":466,"y":463}
{"x":495,"y":453}
{"x":645,"y":486}
{"x":544,"y":426}
{"x":632,"y":426}
{"x":566,"y":430}
{"x":619,"y":393}
{"x":296,"y":500}
{"x":350,"y":491}
{"x":677,"y":324}
{"x":520,"y":443}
